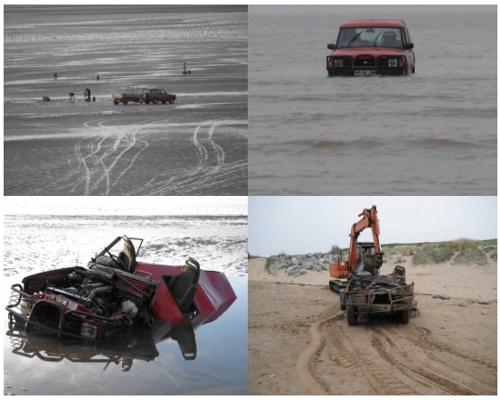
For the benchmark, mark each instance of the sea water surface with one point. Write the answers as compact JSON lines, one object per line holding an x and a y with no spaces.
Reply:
{"x":433,"y":132}
{"x":39,"y":243}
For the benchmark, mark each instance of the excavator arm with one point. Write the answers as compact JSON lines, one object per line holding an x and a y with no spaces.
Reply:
{"x":369,"y":220}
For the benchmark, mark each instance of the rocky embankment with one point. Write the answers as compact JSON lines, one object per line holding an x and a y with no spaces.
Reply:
{"x":298,"y":265}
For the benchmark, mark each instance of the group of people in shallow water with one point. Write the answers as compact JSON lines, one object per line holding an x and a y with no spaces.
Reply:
{"x":86,"y":92}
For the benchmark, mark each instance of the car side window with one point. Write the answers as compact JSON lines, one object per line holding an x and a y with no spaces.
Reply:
{"x":163,"y":92}
{"x":153,"y":92}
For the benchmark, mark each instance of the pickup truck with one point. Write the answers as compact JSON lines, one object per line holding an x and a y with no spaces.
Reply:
{"x":147,"y":96}
{"x":372,"y":47}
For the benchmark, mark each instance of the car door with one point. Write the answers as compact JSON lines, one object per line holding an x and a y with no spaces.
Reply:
{"x":163,"y":95}
{"x":410,"y":55}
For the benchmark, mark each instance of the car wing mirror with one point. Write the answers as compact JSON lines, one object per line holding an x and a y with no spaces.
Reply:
{"x":409,"y":46}
{"x":331,"y":46}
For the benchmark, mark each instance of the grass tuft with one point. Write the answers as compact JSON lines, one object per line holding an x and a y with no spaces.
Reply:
{"x":472,"y":255}
{"x":493,"y":254}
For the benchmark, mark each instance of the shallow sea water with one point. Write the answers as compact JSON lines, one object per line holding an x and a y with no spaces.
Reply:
{"x":432,"y":133}
{"x":39,"y":243}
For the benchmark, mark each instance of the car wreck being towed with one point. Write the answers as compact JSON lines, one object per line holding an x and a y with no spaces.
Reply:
{"x":372,"y":47}
{"x":115,"y":292}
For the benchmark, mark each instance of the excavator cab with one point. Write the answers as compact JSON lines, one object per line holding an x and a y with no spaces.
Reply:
{"x":368,"y":261}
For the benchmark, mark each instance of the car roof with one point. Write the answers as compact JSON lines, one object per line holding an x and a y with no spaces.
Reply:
{"x":374,"y":23}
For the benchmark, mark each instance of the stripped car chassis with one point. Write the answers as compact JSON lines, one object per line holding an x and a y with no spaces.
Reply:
{"x":365,"y":302}
{"x":65,"y":323}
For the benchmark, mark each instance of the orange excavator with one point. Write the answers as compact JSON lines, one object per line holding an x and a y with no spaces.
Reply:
{"x":366,"y":292}
{"x":342,"y":269}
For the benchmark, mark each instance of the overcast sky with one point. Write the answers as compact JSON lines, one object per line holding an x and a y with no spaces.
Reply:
{"x":127,"y":205}
{"x":297,"y":225}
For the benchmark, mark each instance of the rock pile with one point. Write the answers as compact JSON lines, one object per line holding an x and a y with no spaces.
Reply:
{"x":297,"y":265}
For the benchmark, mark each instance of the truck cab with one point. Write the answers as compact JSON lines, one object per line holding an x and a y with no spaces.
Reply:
{"x":372,"y":47}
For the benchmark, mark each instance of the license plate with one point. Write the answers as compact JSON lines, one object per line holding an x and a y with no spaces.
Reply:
{"x":363,"y":72}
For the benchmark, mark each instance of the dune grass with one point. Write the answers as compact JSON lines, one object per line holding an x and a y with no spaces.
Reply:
{"x":493,"y":254}
{"x":471,"y":255}
{"x":432,"y":254}
{"x":487,"y":249}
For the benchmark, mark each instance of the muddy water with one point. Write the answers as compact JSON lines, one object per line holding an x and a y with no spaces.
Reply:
{"x":433,"y":132}
{"x":40,"y":243}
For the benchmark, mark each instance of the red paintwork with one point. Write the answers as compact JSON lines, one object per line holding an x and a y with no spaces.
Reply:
{"x":213,"y":296}
{"x":374,"y":51}
{"x":373,"y":23}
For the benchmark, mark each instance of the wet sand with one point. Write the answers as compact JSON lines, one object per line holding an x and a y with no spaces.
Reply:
{"x":300,"y":342}
{"x":196,"y":146}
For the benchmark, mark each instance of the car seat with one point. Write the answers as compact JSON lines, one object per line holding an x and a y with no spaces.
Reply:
{"x":389,"y":39}
{"x":127,"y":256}
{"x":183,"y":286}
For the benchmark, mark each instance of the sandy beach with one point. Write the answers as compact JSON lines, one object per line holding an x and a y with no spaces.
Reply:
{"x":196,"y":146}
{"x":300,"y":342}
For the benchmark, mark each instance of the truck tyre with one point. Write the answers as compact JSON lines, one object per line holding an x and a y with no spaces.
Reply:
{"x":155,"y":101}
{"x":171,"y":101}
{"x":352,"y":319}
{"x":405,"y":316}
{"x":125,"y":102}
{"x":116,"y":102}
{"x":146,"y":101}
{"x":342,"y":303}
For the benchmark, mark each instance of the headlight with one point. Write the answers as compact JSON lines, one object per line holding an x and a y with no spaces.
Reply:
{"x":89,"y":330}
{"x":339,"y":63}
{"x":393,"y":62}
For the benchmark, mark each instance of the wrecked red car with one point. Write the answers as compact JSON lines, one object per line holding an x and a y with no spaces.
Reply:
{"x":372,"y":47}
{"x":115,"y":292}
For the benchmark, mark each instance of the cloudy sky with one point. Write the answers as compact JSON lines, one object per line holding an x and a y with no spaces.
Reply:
{"x":126,"y":205}
{"x":303,"y":224}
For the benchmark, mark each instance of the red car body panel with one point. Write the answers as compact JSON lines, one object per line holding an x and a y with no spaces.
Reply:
{"x":213,"y":296}
{"x":375,"y":51}
{"x":373,"y":23}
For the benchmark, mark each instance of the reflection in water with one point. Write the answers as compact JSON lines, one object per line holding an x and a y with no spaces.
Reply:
{"x":137,"y":344}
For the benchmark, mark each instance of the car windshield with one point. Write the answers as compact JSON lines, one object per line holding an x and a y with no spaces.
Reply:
{"x":370,"y":37}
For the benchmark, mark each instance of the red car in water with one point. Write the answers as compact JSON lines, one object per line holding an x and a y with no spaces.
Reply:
{"x":114,"y":292}
{"x":372,"y":47}
{"x":157,"y":95}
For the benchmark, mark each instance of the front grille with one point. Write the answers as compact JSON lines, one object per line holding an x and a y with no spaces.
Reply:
{"x":383,"y":61}
{"x":364,"y":61}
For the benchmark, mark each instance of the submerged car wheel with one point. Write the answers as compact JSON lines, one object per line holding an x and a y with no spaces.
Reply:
{"x":171,"y":101}
{"x":352,"y":319}
{"x":146,"y":101}
{"x":413,"y":70}
{"x":405,"y":316}
{"x":163,"y":101}
{"x":155,"y":101}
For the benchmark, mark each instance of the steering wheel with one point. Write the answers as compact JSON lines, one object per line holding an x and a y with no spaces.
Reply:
{"x":117,"y":260}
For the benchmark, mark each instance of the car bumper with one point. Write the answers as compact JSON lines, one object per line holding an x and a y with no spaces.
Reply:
{"x":349,"y":71}
{"x":50,"y":317}
{"x":381,"y":301}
